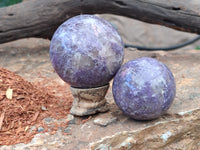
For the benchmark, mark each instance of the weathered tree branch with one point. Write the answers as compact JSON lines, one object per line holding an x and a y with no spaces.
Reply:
{"x":40,"y":18}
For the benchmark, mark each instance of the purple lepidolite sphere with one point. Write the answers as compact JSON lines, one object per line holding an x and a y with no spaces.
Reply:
{"x":144,"y":88}
{"x":86,"y":51}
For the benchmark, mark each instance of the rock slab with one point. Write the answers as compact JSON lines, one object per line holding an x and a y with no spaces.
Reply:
{"x":104,"y":119}
{"x":177,"y":129}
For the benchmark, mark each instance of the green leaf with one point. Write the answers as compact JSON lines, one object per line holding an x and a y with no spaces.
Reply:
{"x":5,"y":3}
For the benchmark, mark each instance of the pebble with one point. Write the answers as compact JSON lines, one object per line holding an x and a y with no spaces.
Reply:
{"x":48,"y":120}
{"x":67,"y":130}
{"x":43,"y":108}
{"x":104,"y":119}
{"x":71,"y":119}
{"x":40,"y":129}
{"x":32,"y":128}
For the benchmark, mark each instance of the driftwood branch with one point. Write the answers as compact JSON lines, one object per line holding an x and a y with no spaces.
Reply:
{"x":40,"y":18}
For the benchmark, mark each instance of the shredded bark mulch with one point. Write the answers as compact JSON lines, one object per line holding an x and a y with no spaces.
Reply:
{"x":24,"y":105}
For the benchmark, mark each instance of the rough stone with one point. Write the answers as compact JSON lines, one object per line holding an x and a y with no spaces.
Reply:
{"x":89,"y":101}
{"x":43,"y":108}
{"x":178,"y":129}
{"x":67,"y":130}
{"x":49,"y":121}
{"x":104,"y":119}
{"x":40,"y":129}
{"x":71,"y":119}
{"x":32,"y":128}
{"x":162,"y":135}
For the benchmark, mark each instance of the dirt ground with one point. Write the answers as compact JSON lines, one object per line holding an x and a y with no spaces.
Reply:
{"x":29,"y":58}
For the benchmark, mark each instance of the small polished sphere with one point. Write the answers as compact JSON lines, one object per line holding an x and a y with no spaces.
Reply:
{"x":144,"y":88}
{"x":86,"y":51}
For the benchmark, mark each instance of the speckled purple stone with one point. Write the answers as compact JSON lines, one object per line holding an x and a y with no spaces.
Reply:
{"x":86,"y":51}
{"x":144,"y":88}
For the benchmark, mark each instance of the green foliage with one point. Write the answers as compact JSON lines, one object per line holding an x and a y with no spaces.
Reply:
{"x":197,"y":48}
{"x":4,"y":3}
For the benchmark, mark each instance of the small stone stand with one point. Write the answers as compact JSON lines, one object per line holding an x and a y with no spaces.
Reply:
{"x":88,"y":101}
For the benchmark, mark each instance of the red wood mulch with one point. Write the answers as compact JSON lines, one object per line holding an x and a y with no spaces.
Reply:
{"x":21,"y":105}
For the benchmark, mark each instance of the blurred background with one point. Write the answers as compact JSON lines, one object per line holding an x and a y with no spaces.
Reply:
{"x":139,"y":33}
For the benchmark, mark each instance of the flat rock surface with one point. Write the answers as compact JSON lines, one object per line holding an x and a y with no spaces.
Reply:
{"x":177,"y":129}
{"x":104,"y":119}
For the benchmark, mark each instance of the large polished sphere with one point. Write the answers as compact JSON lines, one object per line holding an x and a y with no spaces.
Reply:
{"x":86,"y":51}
